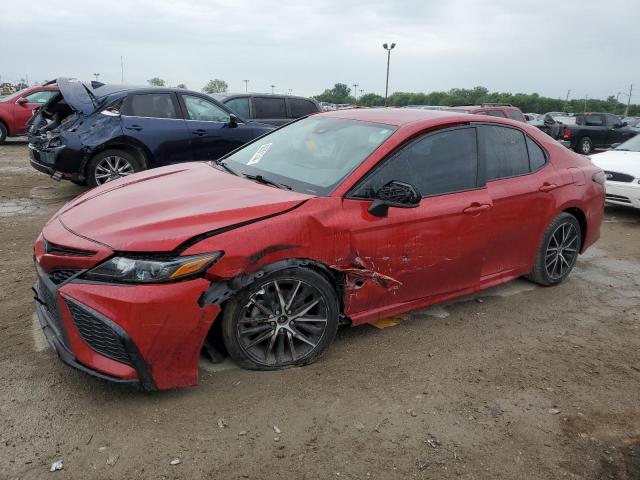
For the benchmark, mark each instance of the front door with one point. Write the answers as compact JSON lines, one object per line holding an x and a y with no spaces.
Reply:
{"x":212,"y":133}
{"x":436,"y":247}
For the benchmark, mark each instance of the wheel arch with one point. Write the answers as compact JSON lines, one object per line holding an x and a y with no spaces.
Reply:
{"x":135,"y":150}
{"x":582,"y":220}
{"x":5,"y":124}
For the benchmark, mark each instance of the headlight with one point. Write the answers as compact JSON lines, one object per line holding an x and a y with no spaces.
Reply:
{"x":146,"y":270}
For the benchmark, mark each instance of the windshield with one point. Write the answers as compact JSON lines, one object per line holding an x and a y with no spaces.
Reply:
{"x":632,"y":145}
{"x":4,"y":98}
{"x":311,"y":155}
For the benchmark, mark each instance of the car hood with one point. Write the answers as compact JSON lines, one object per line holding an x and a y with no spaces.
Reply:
{"x":77,"y":95}
{"x":157,"y":210}
{"x":618,"y":161}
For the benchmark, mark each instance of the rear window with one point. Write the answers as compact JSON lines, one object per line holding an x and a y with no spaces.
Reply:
{"x":300,"y":107}
{"x":154,"y":105}
{"x":505,"y":152}
{"x":267,"y":107}
{"x":589,"y":120}
{"x":537,"y":158}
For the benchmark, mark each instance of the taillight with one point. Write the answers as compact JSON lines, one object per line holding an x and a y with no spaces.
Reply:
{"x":599,"y":177}
{"x":566,"y":133}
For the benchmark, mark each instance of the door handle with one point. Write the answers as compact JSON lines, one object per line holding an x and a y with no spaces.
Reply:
{"x":137,"y":128}
{"x":475,"y":208}
{"x":547,"y":187}
{"x":200,"y":132}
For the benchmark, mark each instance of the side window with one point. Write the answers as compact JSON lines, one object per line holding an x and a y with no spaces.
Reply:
{"x":240,"y":106}
{"x":590,"y":120}
{"x":516,"y":115}
{"x":154,"y":105}
{"x":300,"y":107}
{"x":505,"y":152}
{"x":496,"y":113}
{"x":443,"y":162}
{"x":270,"y":107}
{"x":203,"y":110}
{"x":613,"y":121}
{"x":41,"y":97}
{"x":537,"y":158}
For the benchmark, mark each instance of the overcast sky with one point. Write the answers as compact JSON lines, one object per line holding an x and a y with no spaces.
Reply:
{"x":591,"y":47}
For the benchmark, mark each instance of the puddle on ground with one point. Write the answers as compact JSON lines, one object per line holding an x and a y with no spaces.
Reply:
{"x":19,"y":206}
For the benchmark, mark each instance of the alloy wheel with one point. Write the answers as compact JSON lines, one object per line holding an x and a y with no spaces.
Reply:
{"x":562,"y":250}
{"x":586,"y":146}
{"x":111,"y":168}
{"x":282,"y":322}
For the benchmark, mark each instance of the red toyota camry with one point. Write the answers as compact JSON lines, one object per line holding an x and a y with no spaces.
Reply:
{"x":344,"y":217}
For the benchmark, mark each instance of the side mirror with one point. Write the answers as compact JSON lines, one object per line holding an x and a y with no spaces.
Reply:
{"x":22,"y":101}
{"x":394,"y":194}
{"x":233,"y":121}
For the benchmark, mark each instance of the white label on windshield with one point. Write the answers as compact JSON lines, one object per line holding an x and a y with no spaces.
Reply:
{"x":259,"y":154}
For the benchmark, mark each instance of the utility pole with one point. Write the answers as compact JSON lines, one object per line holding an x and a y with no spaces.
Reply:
{"x":121,"y":69}
{"x":96,"y":75}
{"x":626,"y":110}
{"x":246,"y":86}
{"x":355,"y":91}
{"x":388,"y":48}
{"x":272,"y":87}
{"x":585,"y":103}
{"x":289,"y":91}
{"x":568,"y":93}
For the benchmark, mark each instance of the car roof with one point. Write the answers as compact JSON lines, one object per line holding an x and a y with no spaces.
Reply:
{"x":401,"y":116}
{"x":483,"y":107}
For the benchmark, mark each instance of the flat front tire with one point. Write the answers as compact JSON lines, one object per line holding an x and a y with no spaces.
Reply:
{"x":3,"y":133}
{"x":287,"y":318}
{"x":558,"y":251}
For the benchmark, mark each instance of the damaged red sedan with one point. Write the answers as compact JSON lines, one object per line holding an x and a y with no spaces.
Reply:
{"x":340,"y":218}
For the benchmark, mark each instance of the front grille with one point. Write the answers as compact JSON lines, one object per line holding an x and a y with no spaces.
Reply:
{"x":99,"y":336}
{"x":55,"y":249}
{"x":617,"y":198}
{"x":618,"y":177}
{"x":59,"y":276}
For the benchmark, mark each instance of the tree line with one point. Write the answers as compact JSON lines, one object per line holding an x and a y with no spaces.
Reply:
{"x":527,"y":102}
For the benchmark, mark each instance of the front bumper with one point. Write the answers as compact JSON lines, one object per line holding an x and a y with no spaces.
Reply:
{"x":623,"y":193}
{"x":147,"y":335}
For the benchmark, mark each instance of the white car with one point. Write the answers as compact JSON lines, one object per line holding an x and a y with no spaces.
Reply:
{"x":621,"y":165}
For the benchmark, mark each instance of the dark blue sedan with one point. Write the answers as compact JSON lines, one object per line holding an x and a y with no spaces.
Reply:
{"x":94,"y":133}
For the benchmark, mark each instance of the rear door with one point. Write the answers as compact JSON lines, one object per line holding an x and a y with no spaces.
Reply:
{"x":212,"y":134}
{"x":271,"y":110}
{"x":153,"y":119}
{"x":432,"y":249}
{"x":519,"y":183}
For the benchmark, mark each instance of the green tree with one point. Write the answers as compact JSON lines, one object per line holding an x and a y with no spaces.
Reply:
{"x":340,"y":93}
{"x":156,"y":82}
{"x":181,"y":85}
{"x":371,"y":100}
{"x":215,"y":86}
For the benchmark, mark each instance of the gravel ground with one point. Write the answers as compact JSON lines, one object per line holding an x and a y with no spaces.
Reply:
{"x":519,"y":382}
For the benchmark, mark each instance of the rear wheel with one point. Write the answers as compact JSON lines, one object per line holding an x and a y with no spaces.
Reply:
{"x":558,"y":252}
{"x":111,"y":165}
{"x":285,"y":319}
{"x":3,"y":133}
{"x":585,"y":146}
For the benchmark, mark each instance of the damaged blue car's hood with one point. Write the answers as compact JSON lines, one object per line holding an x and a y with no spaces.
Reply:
{"x":77,"y":95}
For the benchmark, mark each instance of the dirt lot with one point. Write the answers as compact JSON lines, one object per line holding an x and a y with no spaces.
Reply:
{"x":521,"y":382}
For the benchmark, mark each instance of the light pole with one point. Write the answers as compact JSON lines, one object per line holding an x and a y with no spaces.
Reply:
{"x":246,"y":85}
{"x":96,"y":75}
{"x":272,"y":87}
{"x":626,"y":110}
{"x":289,"y":91}
{"x":388,"y":48}
{"x":355,"y":91}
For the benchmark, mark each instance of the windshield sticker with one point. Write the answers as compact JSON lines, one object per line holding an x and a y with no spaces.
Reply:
{"x":259,"y":154}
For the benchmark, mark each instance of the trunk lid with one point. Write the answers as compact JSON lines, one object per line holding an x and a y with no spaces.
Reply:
{"x":77,"y":95}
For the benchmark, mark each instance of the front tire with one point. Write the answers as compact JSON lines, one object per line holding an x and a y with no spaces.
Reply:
{"x":3,"y":133}
{"x":110,"y":165}
{"x":287,"y":318}
{"x":558,"y":252}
